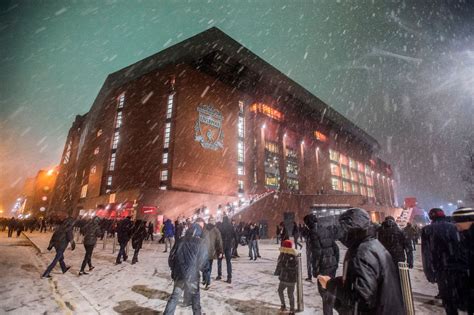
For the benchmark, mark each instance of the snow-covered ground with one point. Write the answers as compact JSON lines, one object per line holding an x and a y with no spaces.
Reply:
{"x":145,"y":287}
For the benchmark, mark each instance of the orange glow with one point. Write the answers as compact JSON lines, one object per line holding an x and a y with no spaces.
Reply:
{"x":50,"y":172}
{"x":267,"y":111}
{"x":320,"y":136}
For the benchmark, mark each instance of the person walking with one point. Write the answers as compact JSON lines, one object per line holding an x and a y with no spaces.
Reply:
{"x":463,"y":218}
{"x":151,"y":231}
{"x":228,"y":235}
{"x":138,"y":236}
{"x":309,"y":269}
{"x":287,"y":272}
{"x":252,"y":240}
{"x":124,"y":231}
{"x":11,"y":226}
{"x":236,"y":240}
{"x":296,"y":235}
{"x":322,"y":238}
{"x":213,"y":239}
{"x":370,"y":283}
{"x":90,"y":231}
{"x":187,"y":258}
{"x":411,"y":235}
{"x":442,"y":258}
{"x":168,"y":232}
{"x":43,"y":225}
{"x":394,"y":240}
{"x":60,"y":239}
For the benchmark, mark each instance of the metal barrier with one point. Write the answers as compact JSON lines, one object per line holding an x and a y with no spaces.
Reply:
{"x":406,"y":288}
{"x":299,"y":286}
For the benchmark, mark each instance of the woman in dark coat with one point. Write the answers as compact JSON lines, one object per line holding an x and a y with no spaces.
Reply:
{"x":139,"y":234}
{"x":370,"y":283}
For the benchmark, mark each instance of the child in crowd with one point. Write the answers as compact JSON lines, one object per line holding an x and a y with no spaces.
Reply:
{"x":287,"y":272}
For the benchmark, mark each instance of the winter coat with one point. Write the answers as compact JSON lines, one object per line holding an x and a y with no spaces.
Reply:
{"x":188,"y":257}
{"x":213,"y":239}
{"x":410,"y":232}
{"x":322,"y":243}
{"x":91,"y":231}
{"x":124,"y":231}
{"x":252,"y":234}
{"x":394,"y":240}
{"x":151,"y":228}
{"x":287,"y":266}
{"x":440,"y":248}
{"x":228,"y":233}
{"x":139,"y":234}
{"x":370,"y":283}
{"x":168,"y":229}
{"x":62,"y":236}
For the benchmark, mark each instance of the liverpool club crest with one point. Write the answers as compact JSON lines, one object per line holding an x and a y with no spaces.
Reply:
{"x":208,"y":128}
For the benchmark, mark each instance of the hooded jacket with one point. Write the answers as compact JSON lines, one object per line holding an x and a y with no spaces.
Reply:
{"x":228,"y":233}
{"x":370,"y":283}
{"x":287,"y":266}
{"x":322,"y":243}
{"x":395,"y":241}
{"x":168,"y":229}
{"x":124,"y":230}
{"x":91,"y":231}
{"x":63,"y":236}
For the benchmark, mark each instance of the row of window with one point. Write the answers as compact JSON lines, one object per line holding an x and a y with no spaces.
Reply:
{"x":164,"y":174}
{"x":342,"y":159}
{"x":351,"y":187}
{"x":240,"y":146}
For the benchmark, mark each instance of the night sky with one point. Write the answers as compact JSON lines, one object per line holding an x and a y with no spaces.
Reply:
{"x":401,"y":70}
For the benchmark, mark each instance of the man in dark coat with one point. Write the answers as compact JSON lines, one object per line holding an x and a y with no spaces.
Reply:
{"x":138,"y":236}
{"x":443,"y":259}
{"x":324,"y":254}
{"x":151,"y":230}
{"x":168,"y":233}
{"x":213,"y":239}
{"x":90,"y":231}
{"x":60,"y":240}
{"x":124,"y":231}
{"x":187,"y":258}
{"x":464,"y":220}
{"x":228,"y":236}
{"x":394,"y":240}
{"x":411,"y":234}
{"x":370,"y":283}
{"x":11,"y":226}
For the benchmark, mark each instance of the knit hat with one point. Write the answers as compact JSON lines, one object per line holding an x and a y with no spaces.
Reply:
{"x":436,"y":213}
{"x":463,"y":214}
{"x":287,"y":244}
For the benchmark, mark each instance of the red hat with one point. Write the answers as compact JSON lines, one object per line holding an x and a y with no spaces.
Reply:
{"x":287,"y":244}
{"x":436,"y":213}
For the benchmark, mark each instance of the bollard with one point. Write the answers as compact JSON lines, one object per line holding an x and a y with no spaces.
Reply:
{"x":299,"y":286}
{"x":115,"y":241}
{"x":105,"y":240}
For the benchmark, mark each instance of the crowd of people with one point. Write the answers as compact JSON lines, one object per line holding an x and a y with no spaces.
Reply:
{"x":370,"y":283}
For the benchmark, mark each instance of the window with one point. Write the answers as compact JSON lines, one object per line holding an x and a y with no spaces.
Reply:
{"x":240,"y":126}
{"x":116,"y":140}
{"x":370,"y":192}
{"x":96,"y":151}
{"x":344,"y":160}
{"x":335,"y":170}
{"x":346,"y":186}
{"x":336,"y":183}
{"x":368,"y":170}
{"x":240,"y":170}
{"x":84,"y":191}
{"x":352,"y":163}
{"x":320,"y":136}
{"x":164,"y":175}
{"x":118,"y":120}
{"x":363,"y":190}
{"x":241,"y":107}
{"x":272,"y":147}
{"x":240,"y":152}
{"x":362,"y":179}
{"x":109,"y":180}
{"x":241,"y":184}
{"x":167,"y":135}
{"x":355,"y":188}
{"x":121,"y":100}
{"x":292,"y":184}
{"x":354,"y":176}
{"x":93,"y":169}
{"x":165,"y":158}
{"x":112,"y":161}
{"x":360,"y":167}
{"x":369,"y":181}
{"x":345,"y":172}
{"x":267,"y":111}
{"x":334,"y":155}
{"x":272,"y":182}
{"x":99,"y":132}
{"x":67,"y":155}
{"x":169,"y":109}
{"x":163,"y":187}
{"x":291,"y":153}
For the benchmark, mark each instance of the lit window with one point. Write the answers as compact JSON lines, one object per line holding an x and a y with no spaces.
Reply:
{"x":355,"y":188}
{"x":370,"y":192}
{"x":352,"y":163}
{"x":320,"y":136}
{"x":164,"y":175}
{"x":336,"y":183}
{"x":363,"y":190}
{"x":93,"y":169}
{"x":333,"y":155}
{"x":169,"y":109}
{"x":241,"y":184}
{"x":96,"y":151}
{"x":121,"y":100}
{"x":163,"y":187}
{"x":165,"y":158}
{"x":99,"y":132}
{"x":116,"y":140}
{"x":346,"y":186}
{"x":109,"y":180}
{"x":368,"y":180}
{"x":167,"y":135}
{"x":354,"y":176}
{"x":240,"y":125}
{"x":368,"y":170}
{"x":118,"y":121}
{"x":345,"y":172}
{"x":240,"y":170}
{"x":67,"y":155}
{"x":360,"y":167}
{"x":267,"y":111}
{"x":240,"y":151}
{"x":84,"y":191}
{"x":112,"y":161}
{"x":335,"y":170}
{"x":344,"y":160}
{"x":241,"y":107}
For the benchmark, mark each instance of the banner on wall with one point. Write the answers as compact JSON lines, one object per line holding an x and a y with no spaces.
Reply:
{"x":149,"y":209}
